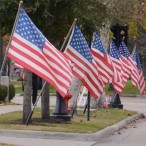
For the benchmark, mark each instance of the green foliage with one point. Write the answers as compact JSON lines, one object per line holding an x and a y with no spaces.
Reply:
{"x":3,"y":92}
{"x":128,"y":89}
{"x":8,"y":9}
{"x":11,"y":92}
{"x":54,"y":17}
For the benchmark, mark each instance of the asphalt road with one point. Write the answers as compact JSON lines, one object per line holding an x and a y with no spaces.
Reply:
{"x":135,"y":133}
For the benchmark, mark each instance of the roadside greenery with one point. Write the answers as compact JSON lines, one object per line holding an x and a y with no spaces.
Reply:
{"x":3,"y":92}
{"x":129,"y":88}
{"x":99,"y":119}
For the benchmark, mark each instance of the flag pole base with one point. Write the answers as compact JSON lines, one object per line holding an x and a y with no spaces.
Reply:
{"x":119,"y":106}
{"x":116,"y":102}
{"x":60,"y":111}
{"x":61,"y":117}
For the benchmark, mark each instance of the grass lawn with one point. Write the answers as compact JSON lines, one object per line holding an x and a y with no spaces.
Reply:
{"x":129,"y":88}
{"x":99,"y":119}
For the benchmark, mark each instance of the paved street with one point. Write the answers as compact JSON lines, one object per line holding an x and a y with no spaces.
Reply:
{"x":133,"y":136}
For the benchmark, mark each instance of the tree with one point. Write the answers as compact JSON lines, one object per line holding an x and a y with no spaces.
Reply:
{"x":45,"y":102}
{"x":27,"y":95}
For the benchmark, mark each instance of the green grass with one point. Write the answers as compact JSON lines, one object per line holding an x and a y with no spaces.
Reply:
{"x":18,"y":87}
{"x":99,"y":119}
{"x":129,"y":88}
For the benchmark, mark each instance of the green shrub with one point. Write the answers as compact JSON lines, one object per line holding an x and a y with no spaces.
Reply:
{"x":11,"y":92}
{"x":3,"y":92}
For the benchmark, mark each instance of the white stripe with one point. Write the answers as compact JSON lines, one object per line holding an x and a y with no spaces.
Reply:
{"x":83,"y":75}
{"x":36,"y":67}
{"x":84,"y":67}
{"x":37,"y":58}
{"x":98,"y":52}
{"x":58,"y":54}
{"x":53,"y":65}
{"x":103,"y":67}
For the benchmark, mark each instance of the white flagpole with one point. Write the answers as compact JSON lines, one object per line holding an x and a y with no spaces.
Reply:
{"x":69,"y":32}
{"x":133,"y":51}
{"x":14,"y":26}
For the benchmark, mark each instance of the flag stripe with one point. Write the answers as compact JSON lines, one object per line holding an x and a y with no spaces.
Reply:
{"x":102,"y":59}
{"x":85,"y":68}
{"x":117,"y":78}
{"x":85,"y":73}
{"x":27,"y":49}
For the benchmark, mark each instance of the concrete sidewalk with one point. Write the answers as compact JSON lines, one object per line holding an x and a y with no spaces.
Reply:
{"x":37,"y":138}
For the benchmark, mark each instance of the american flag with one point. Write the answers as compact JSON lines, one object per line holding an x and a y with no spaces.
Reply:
{"x":102,"y":59}
{"x":117,"y":78}
{"x":84,"y":68}
{"x":141,"y":81}
{"x":33,"y":51}
{"x":18,"y":66}
{"x":123,"y":50}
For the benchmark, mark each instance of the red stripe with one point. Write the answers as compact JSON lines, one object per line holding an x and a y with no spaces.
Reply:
{"x":141,"y":82}
{"x":106,"y":69}
{"x":37,"y":62}
{"x":86,"y":74}
{"x":59,"y":67}
{"x":59,"y":56}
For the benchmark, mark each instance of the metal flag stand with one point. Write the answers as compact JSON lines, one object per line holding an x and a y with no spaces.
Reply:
{"x":87,"y":106}
{"x":115,"y":101}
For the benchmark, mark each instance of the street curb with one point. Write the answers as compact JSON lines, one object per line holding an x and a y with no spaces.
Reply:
{"x":116,"y":127}
{"x":72,"y":136}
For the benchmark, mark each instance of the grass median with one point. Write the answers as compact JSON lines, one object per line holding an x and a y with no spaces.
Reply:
{"x":99,"y":119}
{"x":129,"y":88}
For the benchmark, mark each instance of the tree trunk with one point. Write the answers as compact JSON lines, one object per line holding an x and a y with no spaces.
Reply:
{"x":74,"y":90}
{"x":27,"y":95}
{"x":45,"y":102}
{"x":103,"y":35}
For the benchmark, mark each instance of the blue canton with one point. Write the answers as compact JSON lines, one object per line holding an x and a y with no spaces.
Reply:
{"x":136,"y":59}
{"x":26,"y":29}
{"x":123,"y":50}
{"x":113,"y":51}
{"x":97,"y":44}
{"x":79,"y":43}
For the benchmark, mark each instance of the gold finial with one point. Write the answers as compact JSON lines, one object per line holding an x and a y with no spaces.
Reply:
{"x":75,"y":19}
{"x":21,"y":2}
{"x":122,"y":32}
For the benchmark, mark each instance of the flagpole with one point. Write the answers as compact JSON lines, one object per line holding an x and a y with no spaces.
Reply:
{"x":30,"y":114}
{"x":87,"y":105}
{"x":133,"y":51}
{"x":69,"y":32}
{"x":88,"y":113}
{"x":14,"y":26}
